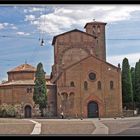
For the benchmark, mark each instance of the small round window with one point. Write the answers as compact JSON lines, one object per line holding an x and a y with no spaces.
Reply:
{"x":92,"y":76}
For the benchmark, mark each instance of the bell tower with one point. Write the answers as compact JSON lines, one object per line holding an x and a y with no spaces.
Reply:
{"x":98,"y":29}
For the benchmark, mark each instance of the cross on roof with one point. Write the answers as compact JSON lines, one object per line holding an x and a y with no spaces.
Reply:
{"x":25,"y":61}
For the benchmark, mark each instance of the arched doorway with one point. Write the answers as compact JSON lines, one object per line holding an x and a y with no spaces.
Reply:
{"x":28,"y":111}
{"x":93,"y":111}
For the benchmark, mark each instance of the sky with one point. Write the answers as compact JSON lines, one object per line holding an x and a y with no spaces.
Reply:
{"x":22,"y":27}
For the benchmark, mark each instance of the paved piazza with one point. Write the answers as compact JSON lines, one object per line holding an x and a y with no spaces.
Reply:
{"x":15,"y":127}
{"x":67,"y":127}
{"x":123,"y":126}
{"x":91,"y":127}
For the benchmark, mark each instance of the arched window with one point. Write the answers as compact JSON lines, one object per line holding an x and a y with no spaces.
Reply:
{"x":94,"y":30}
{"x":85,"y":85}
{"x":29,"y":90}
{"x":64,"y":96}
{"x":72,"y":84}
{"x":99,"y":85}
{"x":98,"y":29}
{"x":111,"y":85}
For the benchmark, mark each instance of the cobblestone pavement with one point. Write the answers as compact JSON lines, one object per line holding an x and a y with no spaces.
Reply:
{"x":15,"y":127}
{"x":128,"y":126}
{"x":66,"y":127}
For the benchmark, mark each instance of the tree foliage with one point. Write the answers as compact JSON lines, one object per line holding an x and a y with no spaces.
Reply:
{"x":127,"y":91}
{"x":133,"y":82}
{"x":40,"y":90}
{"x":137,"y":81}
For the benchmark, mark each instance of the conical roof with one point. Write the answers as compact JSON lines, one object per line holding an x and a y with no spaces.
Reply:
{"x":24,"y":68}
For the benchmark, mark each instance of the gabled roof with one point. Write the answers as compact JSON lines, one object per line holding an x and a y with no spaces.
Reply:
{"x":23,"y":83}
{"x":75,"y":30}
{"x":81,"y":61}
{"x":23,"y":68}
{"x":89,"y":57}
{"x":95,"y":22}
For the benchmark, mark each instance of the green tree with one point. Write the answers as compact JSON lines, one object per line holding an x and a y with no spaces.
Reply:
{"x":137,"y":81}
{"x":133,"y":81}
{"x":127,"y":92}
{"x":40,"y":90}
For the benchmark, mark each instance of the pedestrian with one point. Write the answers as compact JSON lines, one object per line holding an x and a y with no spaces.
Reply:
{"x":62,"y":115}
{"x":76,"y":115}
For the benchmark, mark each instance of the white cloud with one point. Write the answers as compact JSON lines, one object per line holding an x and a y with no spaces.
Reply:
{"x":29,"y":17}
{"x":52,"y":23}
{"x":14,"y":28}
{"x":22,"y":33}
{"x":25,"y":11}
{"x":4,"y":25}
{"x":133,"y":58}
{"x":1,"y":26}
{"x":68,"y":17}
{"x":7,"y":25}
{"x":33,"y":9}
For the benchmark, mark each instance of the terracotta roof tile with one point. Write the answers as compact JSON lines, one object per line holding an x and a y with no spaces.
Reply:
{"x":95,"y":22}
{"x":22,"y":82}
{"x":23,"y":67}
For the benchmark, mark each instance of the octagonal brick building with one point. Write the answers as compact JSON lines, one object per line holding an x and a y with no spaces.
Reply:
{"x":19,"y":88}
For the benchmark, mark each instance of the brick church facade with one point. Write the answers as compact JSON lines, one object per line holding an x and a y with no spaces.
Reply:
{"x":82,"y":83}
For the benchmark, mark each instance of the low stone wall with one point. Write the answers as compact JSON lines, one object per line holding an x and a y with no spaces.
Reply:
{"x":128,"y":113}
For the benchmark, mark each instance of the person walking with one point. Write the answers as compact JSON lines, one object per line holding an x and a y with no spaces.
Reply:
{"x":62,"y":115}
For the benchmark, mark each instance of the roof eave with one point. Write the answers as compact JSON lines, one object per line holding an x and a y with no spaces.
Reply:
{"x":95,"y":23}
{"x":54,"y":39}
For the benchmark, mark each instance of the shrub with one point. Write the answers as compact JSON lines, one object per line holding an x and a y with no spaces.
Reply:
{"x":11,"y":111}
{"x":7,"y":111}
